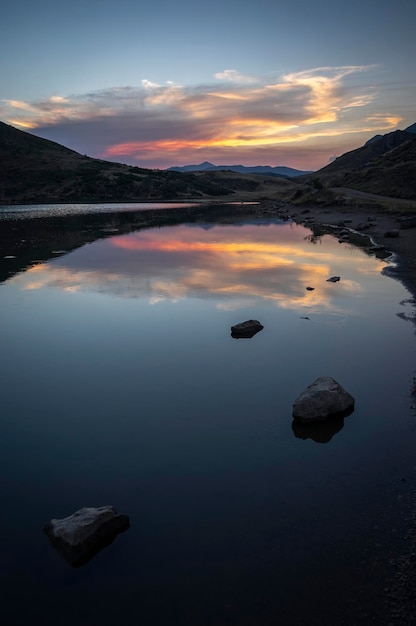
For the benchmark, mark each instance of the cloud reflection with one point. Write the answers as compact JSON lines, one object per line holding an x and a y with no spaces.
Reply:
{"x":235,"y":266}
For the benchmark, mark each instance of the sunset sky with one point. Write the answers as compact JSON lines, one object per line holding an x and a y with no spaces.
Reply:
{"x":173,"y":83}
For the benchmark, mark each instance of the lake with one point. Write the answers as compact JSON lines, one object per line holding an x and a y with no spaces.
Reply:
{"x":121,"y":384}
{"x":25,"y":211}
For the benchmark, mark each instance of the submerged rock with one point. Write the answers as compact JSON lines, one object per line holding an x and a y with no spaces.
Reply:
{"x":391,"y":233}
{"x":407,"y":222}
{"x":246,"y":329}
{"x":80,"y":536}
{"x":322,"y":399}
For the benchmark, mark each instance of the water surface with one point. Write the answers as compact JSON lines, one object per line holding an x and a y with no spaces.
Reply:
{"x":121,"y":384}
{"x":25,"y":211}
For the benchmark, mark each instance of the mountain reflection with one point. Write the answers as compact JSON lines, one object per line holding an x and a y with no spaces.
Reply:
{"x":237,"y":265}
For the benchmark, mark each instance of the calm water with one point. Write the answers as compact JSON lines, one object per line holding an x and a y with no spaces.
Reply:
{"x":25,"y":211}
{"x":122,"y":385}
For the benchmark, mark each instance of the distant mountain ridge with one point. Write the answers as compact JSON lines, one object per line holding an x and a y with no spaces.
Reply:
{"x":36,"y":170}
{"x":268,"y":170}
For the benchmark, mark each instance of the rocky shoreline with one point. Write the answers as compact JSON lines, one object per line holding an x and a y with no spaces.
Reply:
{"x":394,"y":233}
{"x":393,"y":237}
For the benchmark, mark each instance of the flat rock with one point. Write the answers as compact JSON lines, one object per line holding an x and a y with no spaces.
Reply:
{"x":322,"y":399}
{"x":333,"y":279}
{"x":246,"y":329}
{"x":80,"y":536}
{"x":407,"y":222}
{"x":362,"y":226}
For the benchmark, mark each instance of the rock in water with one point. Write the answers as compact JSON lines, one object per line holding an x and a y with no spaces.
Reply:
{"x":322,"y":399}
{"x":79,"y":537}
{"x":246,"y":329}
{"x":333,"y":279}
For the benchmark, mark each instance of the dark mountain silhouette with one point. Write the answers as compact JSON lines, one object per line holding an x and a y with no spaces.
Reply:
{"x":287,"y":172}
{"x":411,"y":129}
{"x":385,"y":165}
{"x":38,"y":170}
{"x":361,"y":157}
{"x":202,"y":167}
{"x":391,"y":174}
{"x":375,"y":138}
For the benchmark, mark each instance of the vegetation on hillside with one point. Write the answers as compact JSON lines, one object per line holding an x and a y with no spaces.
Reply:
{"x":386,"y":166}
{"x":38,"y":170}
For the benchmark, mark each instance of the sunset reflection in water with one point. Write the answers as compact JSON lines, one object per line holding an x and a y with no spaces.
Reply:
{"x":233,"y":264}
{"x":122,"y":384}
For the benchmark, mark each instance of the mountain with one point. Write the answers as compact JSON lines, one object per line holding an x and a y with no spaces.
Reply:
{"x":202,"y":167}
{"x":373,"y":139}
{"x":35,"y":170}
{"x":38,"y":170}
{"x":287,"y":172}
{"x":385,"y":165}
{"x":392,"y":174}
{"x":361,"y":157}
{"x":411,"y":129}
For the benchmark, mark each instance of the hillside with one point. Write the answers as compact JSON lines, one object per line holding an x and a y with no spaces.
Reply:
{"x":363,"y":156}
{"x":37,"y":170}
{"x":385,"y":165}
{"x":392,"y":174}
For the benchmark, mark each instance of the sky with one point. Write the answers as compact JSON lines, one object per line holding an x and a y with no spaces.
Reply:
{"x":174,"y":83}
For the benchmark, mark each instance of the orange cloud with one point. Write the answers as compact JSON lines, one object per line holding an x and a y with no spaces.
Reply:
{"x":243,"y":116}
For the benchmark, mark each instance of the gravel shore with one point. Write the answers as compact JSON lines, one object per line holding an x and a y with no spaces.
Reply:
{"x":388,"y":230}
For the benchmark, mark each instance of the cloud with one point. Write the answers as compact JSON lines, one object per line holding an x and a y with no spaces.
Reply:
{"x":236,"y":77}
{"x":242,"y":115}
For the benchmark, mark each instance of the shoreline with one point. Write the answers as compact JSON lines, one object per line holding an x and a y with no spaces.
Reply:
{"x":399,"y":250}
{"x":400,"y":257}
